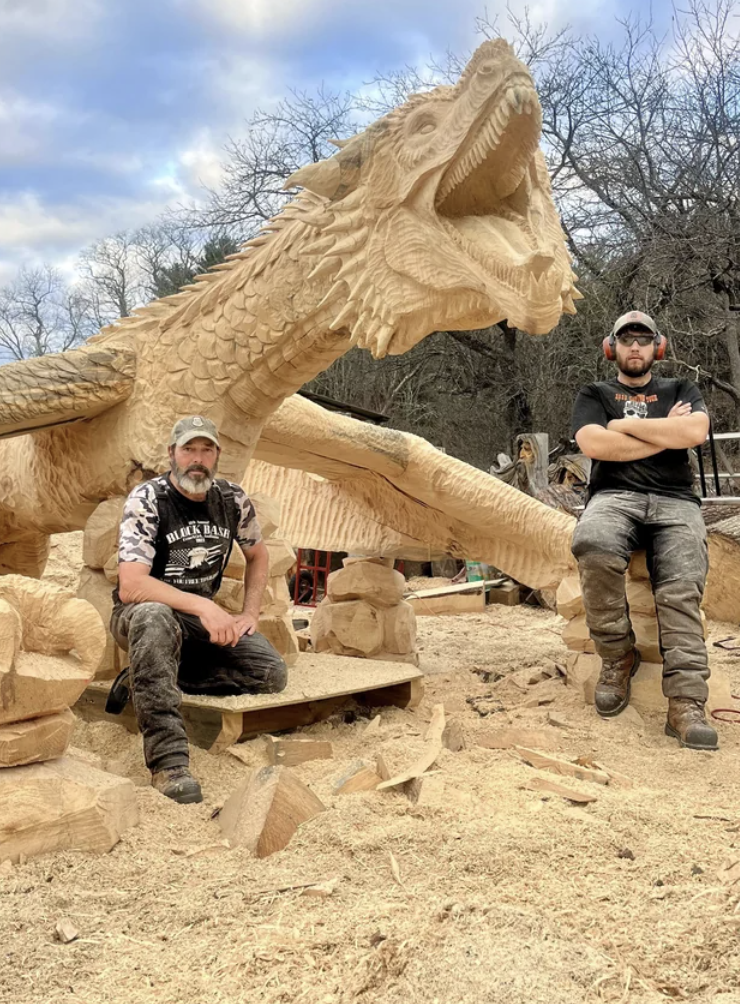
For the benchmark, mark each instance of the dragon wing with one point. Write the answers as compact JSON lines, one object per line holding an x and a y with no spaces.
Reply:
{"x":65,"y":387}
{"x":355,"y":487}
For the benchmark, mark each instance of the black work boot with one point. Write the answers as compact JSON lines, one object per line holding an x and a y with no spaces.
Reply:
{"x":686,"y":722}
{"x":178,"y":784}
{"x":613,"y":687}
{"x":119,"y":693}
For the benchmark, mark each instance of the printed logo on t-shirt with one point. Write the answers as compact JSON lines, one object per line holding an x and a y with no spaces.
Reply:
{"x":636,"y":405}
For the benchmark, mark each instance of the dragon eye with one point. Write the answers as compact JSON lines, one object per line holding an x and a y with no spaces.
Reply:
{"x":426,"y":127}
{"x":487,"y":68}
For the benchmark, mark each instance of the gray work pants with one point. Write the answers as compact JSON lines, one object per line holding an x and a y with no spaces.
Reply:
{"x":672,"y":532}
{"x":171,"y":653}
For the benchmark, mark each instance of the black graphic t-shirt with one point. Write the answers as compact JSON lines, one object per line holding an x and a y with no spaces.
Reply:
{"x":186,"y":543}
{"x":665,"y":473}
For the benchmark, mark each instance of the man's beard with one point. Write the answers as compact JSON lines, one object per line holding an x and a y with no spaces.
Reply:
{"x":630,"y":369}
{"x":190,"y":485}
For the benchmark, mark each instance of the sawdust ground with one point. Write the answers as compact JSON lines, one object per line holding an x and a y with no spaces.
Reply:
{"x":505,"y":895}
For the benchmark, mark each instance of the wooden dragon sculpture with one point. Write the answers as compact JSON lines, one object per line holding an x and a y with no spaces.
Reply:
{"x":438,"y":216}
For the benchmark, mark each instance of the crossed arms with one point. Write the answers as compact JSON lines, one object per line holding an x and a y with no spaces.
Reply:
{"x":626,"y":439}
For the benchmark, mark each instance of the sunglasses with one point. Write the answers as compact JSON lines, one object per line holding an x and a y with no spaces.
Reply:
{"x":630,"y":337}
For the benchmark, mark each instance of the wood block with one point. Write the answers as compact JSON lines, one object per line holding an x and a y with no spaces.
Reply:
{"x":576,"y":635}
{"x":280,"y":632}
{"x":581,"y":672}
{"x":427,"y":791}
{"x":468,"y":597}
{"x":508,"y":738}
{"x":553,"y":788}
{"x":568,"y":598}
{"x":100,"y":539}
{"x":647,"y":637}
{"x":509,"y":594}
{"x":453,"y":737}
{"x":638,"y":566}
{"x":351,"y":628}
{"x":268,"y":513}
{"x":276,"y":601}
{"x":61,"y":805}
{"x":110,"y":569}
{"x":359,"y":776}
{"x":266,"y":809}
{"x":281,"y":557}
{"x":236,"y":565}
{"x":40,"y":685}
{"x":290,"y":752}
{"x":563,"y":767}
{"x":96,"y":590}
{"x":381,"y":768}
{"x":366,"y":580}
{"x":230,"y":595}
{"x":36,"y":739}
{"x":399,"y":629}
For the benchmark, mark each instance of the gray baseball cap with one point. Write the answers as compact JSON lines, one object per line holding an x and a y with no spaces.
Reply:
{"x":191,"y":428}
{"x":634,"y":318}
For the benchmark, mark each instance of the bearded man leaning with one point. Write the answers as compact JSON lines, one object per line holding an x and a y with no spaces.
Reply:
{"x":638,"y":428}
{"x":176,"y":536}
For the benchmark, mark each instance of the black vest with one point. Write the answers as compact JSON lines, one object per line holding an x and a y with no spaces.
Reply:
{"x":194,"y":539}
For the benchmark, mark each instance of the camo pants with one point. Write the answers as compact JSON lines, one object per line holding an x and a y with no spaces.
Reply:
{"x":672,"y":532}
{"x":171,"y":654}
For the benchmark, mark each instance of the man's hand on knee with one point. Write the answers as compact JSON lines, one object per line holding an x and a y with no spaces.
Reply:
{"x":246,"y":623}
{"x":220,"y":625}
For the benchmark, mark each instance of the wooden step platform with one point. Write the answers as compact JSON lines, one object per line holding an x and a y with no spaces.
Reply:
{"x":318,"y":685}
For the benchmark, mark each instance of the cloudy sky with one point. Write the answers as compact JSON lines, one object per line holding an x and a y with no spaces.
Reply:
{"x":112,"y":109}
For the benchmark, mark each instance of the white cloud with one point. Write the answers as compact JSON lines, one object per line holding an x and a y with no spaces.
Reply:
{"x":263,"y":17}
{"x":58,"y":19}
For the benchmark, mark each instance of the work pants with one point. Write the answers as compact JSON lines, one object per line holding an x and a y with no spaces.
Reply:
{"x":672,"y":532}
{"x":171,"y":653}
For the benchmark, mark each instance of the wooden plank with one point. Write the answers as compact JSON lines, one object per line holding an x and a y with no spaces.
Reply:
{"x":423,"y":762}
{"x":553,"y":788}
{"x":564,"y":767}
{"x":318,"y":685}
{"x":508,"y":738}
{"x":290,"y":752}
{"x":467,"y":597}
{"x":359,"y":776}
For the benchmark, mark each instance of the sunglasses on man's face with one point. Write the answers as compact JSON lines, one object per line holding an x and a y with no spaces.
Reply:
{"x":630,"y":337}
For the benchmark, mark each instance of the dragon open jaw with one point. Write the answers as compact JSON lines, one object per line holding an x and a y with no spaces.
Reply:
{"x":484,"y":197}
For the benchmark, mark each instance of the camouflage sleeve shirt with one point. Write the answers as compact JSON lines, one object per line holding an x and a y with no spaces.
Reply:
{"x":140,"y":523}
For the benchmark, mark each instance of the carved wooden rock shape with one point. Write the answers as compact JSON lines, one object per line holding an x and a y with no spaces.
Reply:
{"x":366,"y":580}
{"x":569,"y":598}
{"x":352,"y":628}
{"x":95,"y":589}
{"x":266,"y":809}
{"x":40,"y":625}
{"x":64,"y":804}
{"x":100,"y":539}
{"x":236,"y":564}
{"x":36,"y":739}
{"x":276,"y":600}
{"x":281,"y":556}
{"x":280,"y":633}
{"x":268,"y":513}
{"x":399,"y":629}
{"x":230,"y":595}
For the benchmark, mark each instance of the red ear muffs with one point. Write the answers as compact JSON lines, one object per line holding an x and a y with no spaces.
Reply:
{"x":608,"y":345}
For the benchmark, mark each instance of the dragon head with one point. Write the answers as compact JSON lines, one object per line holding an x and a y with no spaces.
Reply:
{"x":440,"y":215}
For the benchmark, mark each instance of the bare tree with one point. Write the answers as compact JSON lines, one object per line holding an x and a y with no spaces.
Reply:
{"x":40,"y":313}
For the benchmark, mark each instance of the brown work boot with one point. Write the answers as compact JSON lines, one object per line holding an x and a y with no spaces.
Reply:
{"x":686,"y":722}
{"x":613,"y":687}
{"x":178,"y":784}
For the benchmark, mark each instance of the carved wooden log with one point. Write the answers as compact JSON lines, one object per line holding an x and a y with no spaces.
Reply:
{"x":366,"y":580}
{"x":40,"y":625}
{"x":64,"y":804}
{"x":36,"y":739}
